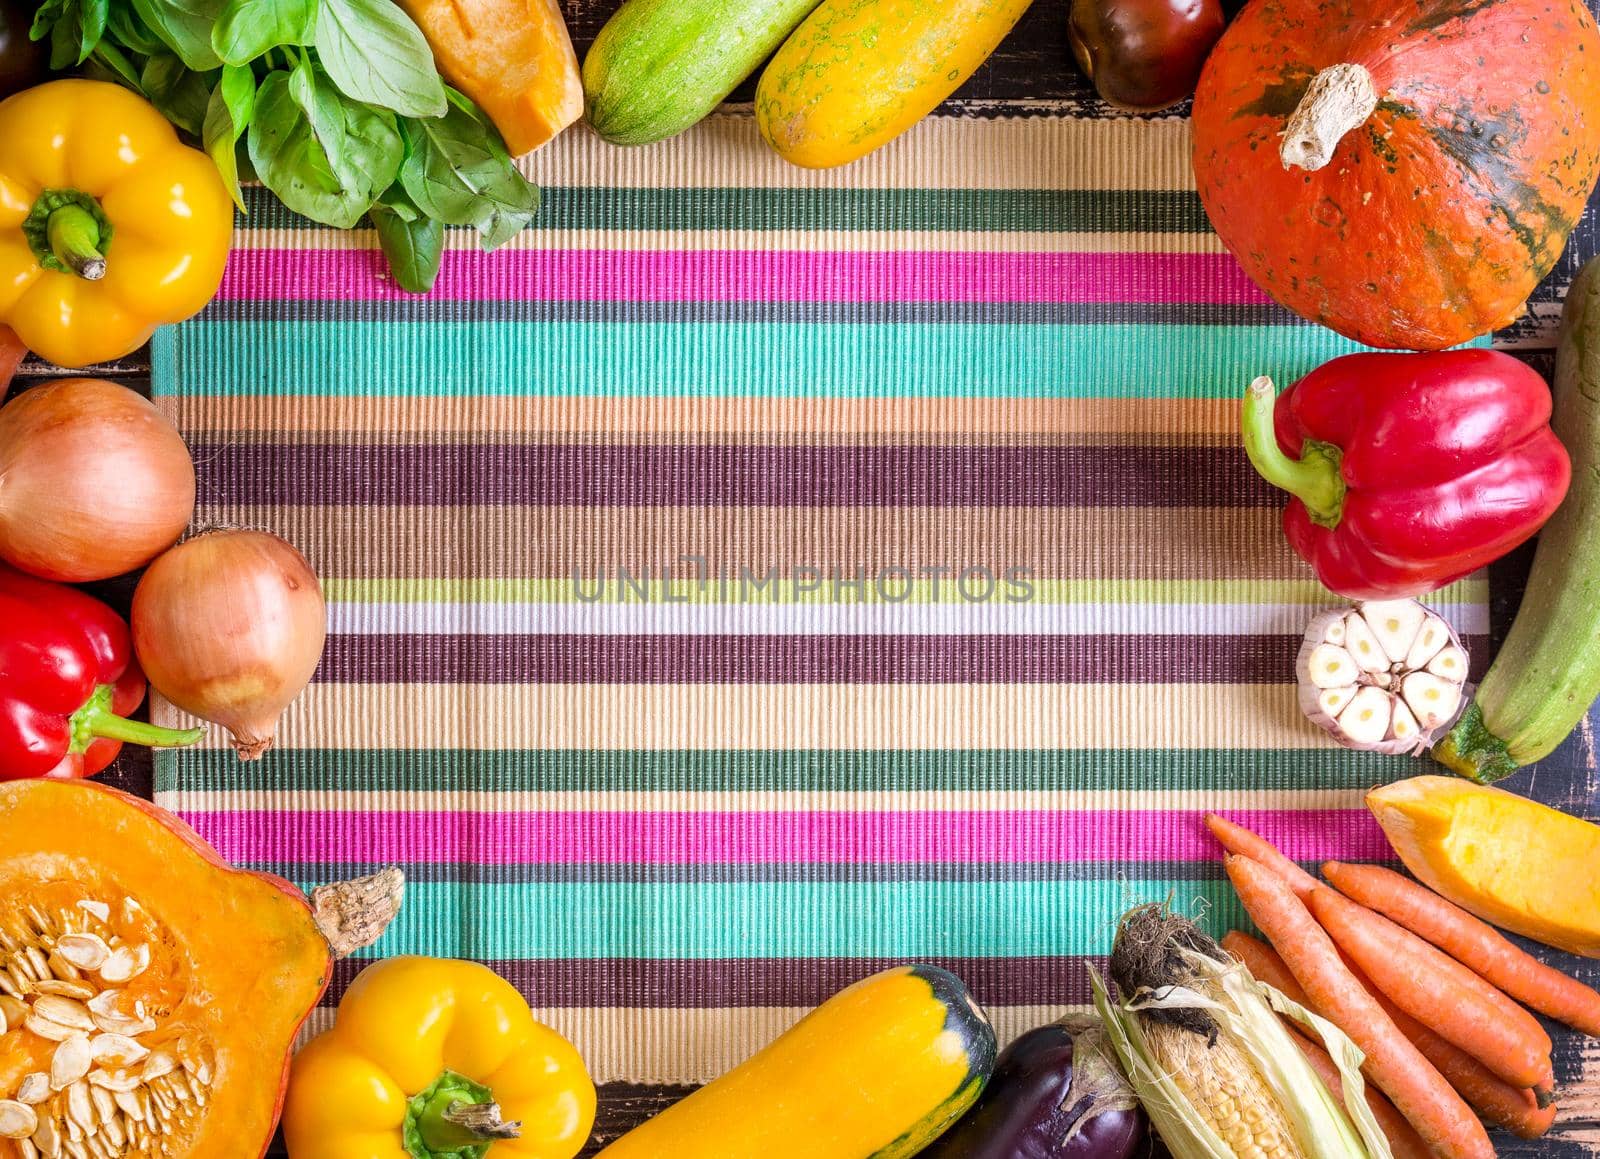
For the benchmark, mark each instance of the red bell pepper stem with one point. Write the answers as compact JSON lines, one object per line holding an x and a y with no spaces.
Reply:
{"x":1314,"y":478}
{"x":96,"y":721}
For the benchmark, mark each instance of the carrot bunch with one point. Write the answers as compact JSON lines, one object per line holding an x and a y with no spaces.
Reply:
{"x":1427,"y":991}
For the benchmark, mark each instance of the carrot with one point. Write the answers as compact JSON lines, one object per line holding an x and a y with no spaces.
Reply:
{"x":1396,"y":1066}
{"x":1438,"y":991}
{"x":1473,"y":943}
{"x":1265,"y":966}
{"x":1236,"y":838}
{"x":1403,"y":1138}
{"x":1514,"y":1108}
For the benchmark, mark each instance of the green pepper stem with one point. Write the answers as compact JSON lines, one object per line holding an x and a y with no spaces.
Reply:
{"x":74,"y":237}
{"x":1314,"y":478}
{"x":96,"y":721}
{"x":448,"y":1122}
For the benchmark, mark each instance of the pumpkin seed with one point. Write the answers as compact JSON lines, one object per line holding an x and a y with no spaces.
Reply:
{"x":96,"y":909}
{"x":105,"y":1104}
{"x":115,"y":1080}
{"x":35,"y":1088}
{"x":80,"y":1107}
{"x":81,"y":991}
{"x":17,"y":1120}
{"x":84,"y":951}
{"x":47,"y":1139}
{"x":26,"y":1149}
{"x":13,"y":1010}
{"x":64,"y":1011}
{"x":125,"y":963}
{"x":116,"y":1050}
{"x":70,"y":1062}
{"x":53,"y":1031}
{"x":158,"y":1065}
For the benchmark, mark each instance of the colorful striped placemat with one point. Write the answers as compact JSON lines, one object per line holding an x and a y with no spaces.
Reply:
{"x":752,"y":577}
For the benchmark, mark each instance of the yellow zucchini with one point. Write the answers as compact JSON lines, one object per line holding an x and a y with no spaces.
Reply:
{"x":878,"y":1071}
{"x":858,"y":73}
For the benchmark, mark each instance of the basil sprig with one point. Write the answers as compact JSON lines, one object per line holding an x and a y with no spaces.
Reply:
{"x":334,"y":105}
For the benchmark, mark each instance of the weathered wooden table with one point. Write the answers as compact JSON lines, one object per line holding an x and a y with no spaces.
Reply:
{"x":1032,"y":73}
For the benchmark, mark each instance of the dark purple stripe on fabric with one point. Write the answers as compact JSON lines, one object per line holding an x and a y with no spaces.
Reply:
{"x":719,"y":983}
{"x":728,"y":475}
{"x":740,"y":659}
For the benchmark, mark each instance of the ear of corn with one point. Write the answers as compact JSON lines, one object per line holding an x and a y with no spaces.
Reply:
{"x":1251,"y":1095}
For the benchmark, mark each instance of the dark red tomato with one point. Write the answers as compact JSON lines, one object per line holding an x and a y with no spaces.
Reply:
{"x":1144,"y":54}
{"x":23,"y":62}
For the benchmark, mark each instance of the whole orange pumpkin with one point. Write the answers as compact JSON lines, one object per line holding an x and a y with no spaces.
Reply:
{"x":1402,"y":171}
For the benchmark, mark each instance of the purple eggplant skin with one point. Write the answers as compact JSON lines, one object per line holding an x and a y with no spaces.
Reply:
{"x":1020,"y":1116}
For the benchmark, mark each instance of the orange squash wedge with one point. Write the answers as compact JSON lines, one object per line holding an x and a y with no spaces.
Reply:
{"x":150,"y":994}
{"x":1516,"y":863}
{"x":514,"y":58}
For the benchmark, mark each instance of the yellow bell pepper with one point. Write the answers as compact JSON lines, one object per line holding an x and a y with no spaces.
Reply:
{"x":109,"y":225}
{"x":436,"y":1059}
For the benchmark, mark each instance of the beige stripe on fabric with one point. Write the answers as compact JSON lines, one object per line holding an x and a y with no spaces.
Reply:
{"x":811,"y":241}
{"x":658,"y":419}
{"x":629,"y":1044}
{"x":942,"y":152}
{"x":560,"y":542}
{"x":790,"y":716}
{"x":784,"y":801}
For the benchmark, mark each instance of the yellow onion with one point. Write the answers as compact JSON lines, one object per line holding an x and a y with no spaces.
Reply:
{"x":229,"y":627}
{"x":94,"y":481}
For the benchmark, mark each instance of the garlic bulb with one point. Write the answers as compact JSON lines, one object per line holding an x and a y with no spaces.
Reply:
{"x":1388,"y":675}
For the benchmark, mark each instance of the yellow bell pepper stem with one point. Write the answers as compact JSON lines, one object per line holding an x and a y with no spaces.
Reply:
{"x":74,"y":237}
{"x":454,"y":1113}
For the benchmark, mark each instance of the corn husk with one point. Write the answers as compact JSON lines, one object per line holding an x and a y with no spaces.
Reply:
{"x":1247,"y":1012}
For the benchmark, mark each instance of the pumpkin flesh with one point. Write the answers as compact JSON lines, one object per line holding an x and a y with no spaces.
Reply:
{"x":235,"y":963}
{"x":1439,"y":214}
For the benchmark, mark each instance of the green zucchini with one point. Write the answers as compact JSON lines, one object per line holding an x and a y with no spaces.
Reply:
{"x":1548,"y":673}
{"x":659,"y":66}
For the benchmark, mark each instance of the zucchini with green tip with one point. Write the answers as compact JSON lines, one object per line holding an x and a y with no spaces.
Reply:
{"x":1548,"y":672}
{"x":660,"y":66}
{"x":878,"y":1071}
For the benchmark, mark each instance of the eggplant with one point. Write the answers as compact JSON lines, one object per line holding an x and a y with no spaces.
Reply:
{"x":1144,"y":54}
{"x":1056,"y":1093}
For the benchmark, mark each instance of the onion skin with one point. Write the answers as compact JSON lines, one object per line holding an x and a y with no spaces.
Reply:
{"x":229,"y":626}
{"x":1020,"y":1116}
{"x":94,"y":481}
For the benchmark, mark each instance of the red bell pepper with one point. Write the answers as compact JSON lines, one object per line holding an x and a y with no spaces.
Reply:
{"x":1408,"y":471}
{"x":67,"y":680}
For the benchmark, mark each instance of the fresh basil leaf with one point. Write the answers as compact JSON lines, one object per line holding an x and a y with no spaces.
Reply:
{"x":228,"y":114}
{"x":124,"y":26}
{"x":184,"y":26}
{"x":66,"y":36}
{"x":180,"y":93}
{"x":412,"y":243}
{"x":375,"y":54}
{"x":47,"y":16}
{"x":248,"y":28}
{"x":325,"y":157}
{"x":457,"y":170}
{"x":112,"y":61}
{"x":92,"y":17}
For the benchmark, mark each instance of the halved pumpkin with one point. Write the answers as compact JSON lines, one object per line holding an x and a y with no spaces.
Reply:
{"x":150,"y":994}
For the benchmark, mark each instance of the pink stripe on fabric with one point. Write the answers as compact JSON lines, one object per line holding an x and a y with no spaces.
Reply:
{"x":825,"y":837}
{"x":753,"y":276}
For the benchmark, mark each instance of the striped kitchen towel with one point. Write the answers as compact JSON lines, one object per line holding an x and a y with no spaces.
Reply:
{"x":752,"y":577}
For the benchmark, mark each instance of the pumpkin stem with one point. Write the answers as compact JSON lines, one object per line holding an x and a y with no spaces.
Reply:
{"x":1314,"y":478}
{"x":353,"y":914}
{"x":1339,"y":99}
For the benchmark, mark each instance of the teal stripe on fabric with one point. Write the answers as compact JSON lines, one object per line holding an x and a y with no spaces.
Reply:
{"x":633,"y":360}
{"x":785,"y":919}
{"x":714,"y":770}
{"x":835,"y":210}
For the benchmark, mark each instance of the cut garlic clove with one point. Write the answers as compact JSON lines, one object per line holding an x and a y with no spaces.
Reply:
{"x":1335,"y":631}
{"x":1366,"y":720}
{"x":1433,"y":635}
{"x":1331,"y":666}
{"x":1395,"y":624}
{"x":1363,"y":645}
{"x":1333,"y":700}
{"x":1433,"y":700}
{"x":1450,"y":664}
{"x":1404,"y":726}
